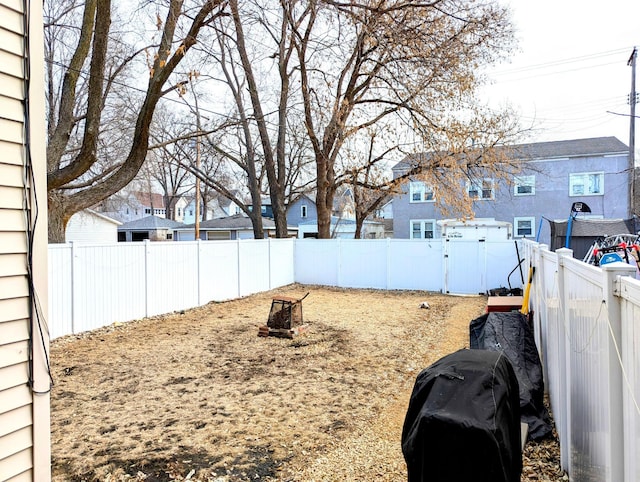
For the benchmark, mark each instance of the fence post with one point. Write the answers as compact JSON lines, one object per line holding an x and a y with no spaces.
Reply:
{"x":200,"y":270}
{"x":238,"y":269}
{"x":147,"y":277}
{"x":563,"y":418}
{"x":339,"y":273}
{"x":388,"y":263}
{"x":540,"y":290}
{"x":74,"y":283}
{"x":610,"y":287}
{"x":269,"y":262}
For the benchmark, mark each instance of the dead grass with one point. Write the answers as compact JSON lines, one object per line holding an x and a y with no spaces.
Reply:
{"x":199,"y":396}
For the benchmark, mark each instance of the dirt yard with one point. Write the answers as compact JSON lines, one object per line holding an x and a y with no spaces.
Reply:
{"x":199,"y":396}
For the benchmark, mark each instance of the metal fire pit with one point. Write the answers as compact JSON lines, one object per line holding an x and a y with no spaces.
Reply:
{"x":285,"y":318}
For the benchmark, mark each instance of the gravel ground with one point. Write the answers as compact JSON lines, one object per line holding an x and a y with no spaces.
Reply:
{"x":199,"y":396}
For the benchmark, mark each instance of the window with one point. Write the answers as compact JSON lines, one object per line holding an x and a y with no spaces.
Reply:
{"x":179,"y":211}
{"x":420,"y":192}
{"x":303,"y":211}
{"x":524,"y":186}
{"x":524,"y":227}
{"x":147,"y":210}
{"x":422,"y":228}
{"x":480,"y":189}
{"x":586,"y":184}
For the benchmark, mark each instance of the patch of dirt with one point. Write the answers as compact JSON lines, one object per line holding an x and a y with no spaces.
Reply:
{"x":199,"y":396}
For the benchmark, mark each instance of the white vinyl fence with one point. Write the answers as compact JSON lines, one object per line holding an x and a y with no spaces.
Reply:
{"x":587,"y":325}
{"x":95,"y":285}
{"x":91,"y":286}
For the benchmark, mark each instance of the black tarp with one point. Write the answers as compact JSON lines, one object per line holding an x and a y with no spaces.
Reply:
{"x":511,"y":334}
{"x":463,"y":421}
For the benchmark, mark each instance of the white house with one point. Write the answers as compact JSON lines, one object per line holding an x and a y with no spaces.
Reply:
{"x":91,"y":227}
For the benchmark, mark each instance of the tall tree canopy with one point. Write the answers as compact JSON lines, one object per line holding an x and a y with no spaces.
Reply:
{"x":79,"y":96}
{"x":303,"y":80}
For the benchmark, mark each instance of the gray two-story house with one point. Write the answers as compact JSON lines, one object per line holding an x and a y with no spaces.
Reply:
{"x":553,"y":176}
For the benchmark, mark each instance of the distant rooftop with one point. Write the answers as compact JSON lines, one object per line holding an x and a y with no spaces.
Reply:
{"x":150,"y":223}
{"x":595,"y":146}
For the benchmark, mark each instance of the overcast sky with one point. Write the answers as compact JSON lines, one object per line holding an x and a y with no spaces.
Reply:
{"x":570,"y":68}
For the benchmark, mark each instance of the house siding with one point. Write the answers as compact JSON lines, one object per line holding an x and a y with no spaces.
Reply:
{"x":294,"y":211}
{"x":551,"y":200}
{"x":87,"y":227}
{"x":24,"y":415}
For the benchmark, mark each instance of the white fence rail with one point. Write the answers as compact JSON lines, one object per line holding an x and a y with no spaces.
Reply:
{"x":587,"y":328}
{"x":95,"y":285}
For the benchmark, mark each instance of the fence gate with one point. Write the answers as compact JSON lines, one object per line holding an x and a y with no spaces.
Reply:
{"x":465,"y":266}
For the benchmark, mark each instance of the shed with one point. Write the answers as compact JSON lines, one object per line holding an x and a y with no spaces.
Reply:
{"x":487,"y":229}
{"x":91,"y":227}
{"x":153,"y":228}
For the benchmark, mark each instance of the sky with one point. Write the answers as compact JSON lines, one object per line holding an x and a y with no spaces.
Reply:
{"x":569,"y":76}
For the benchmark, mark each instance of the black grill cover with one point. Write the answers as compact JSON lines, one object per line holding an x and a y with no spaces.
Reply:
{"x":510,"y":333}
{"x":463,"y":421}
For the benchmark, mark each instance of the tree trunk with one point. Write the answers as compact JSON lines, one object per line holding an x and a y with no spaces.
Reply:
{"x":57,"y":218}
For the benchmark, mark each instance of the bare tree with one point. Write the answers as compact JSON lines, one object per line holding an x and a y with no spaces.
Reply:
{"x":75,"y":128}
{"x":170,"y":152}
{"x":411,"y":64}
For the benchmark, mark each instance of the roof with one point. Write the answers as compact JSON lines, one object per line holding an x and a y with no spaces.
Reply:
{"x":106,"y":218}
{"x":150,"y":199}
{"x":150,"y":223}
{"x":595,"y":146}
{"x":237,"y":221}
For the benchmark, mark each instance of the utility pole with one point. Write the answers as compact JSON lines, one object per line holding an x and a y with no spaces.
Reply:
{"x":632,"y":130}
{"x":199,"y":133}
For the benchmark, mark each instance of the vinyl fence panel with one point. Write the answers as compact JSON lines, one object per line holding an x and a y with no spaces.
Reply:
{"x":171,"y":276}
{"x":363,"y":265}
{"x":317,"y":261}
{"x":586,"y":319}
{"x":281,"y":255}
{"x":60,"y":293}
{"x":415,"y":265}
{"x":254,"y":269}
{"x":630,"y":347}
{"x":218,"y":272}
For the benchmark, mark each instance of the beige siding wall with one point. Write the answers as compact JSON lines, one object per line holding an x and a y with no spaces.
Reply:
{"x":24,"y":415}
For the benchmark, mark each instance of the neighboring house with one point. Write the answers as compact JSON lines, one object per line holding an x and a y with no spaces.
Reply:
{"x":129,"y":206}
{"x":302,"y":210}
{"x":343,"y":228}
{"x":152,"y":228}
{"x":219,"y":207}
{"x":232,"y":227}
{"x":91,"y":227}
{"x":554,"y":175}
{"x":25,"y":381}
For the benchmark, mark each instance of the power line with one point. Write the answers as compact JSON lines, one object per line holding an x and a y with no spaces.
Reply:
{"x":567,"y":60}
